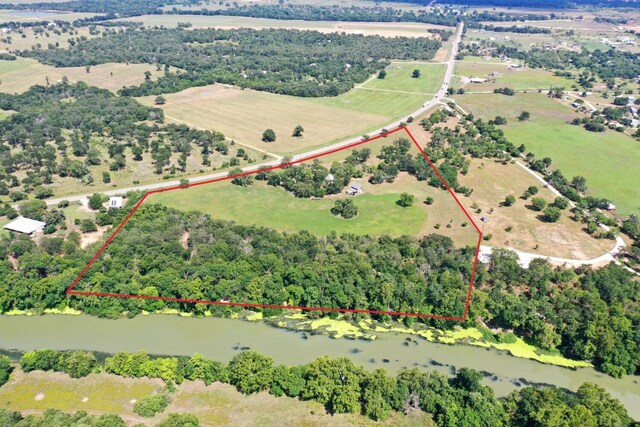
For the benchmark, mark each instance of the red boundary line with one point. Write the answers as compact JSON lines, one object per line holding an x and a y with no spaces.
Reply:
{"x":70,"y":290}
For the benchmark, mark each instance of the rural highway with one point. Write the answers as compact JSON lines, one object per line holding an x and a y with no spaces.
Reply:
{"x":435,"y":100}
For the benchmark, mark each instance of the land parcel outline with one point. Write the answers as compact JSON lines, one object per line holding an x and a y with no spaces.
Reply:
{"x":71,"y":290}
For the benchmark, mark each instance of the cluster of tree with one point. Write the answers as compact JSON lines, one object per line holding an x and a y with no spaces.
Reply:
{"x":5,"y":369}
{"x":343,"y":387}
{"x":57,"y":418}
{"x":312,"y":179}
{"x":586,"y":314}
{"x":300,"y":63}
{"x":505,"y":91}
{"x":77,"y":364}
{"x":52,"y":122}
{"x":526,"y":29}
{"x":541,"y":4}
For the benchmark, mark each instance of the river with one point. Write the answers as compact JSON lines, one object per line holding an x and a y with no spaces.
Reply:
{"x":221,"y":339}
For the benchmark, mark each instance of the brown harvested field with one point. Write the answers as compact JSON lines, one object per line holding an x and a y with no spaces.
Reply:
{"x":492,"y":182}
{"x":386,"y":29}
{"x":244,"y":114}
{"x":221,"y":405}
{"x":19,"y":75}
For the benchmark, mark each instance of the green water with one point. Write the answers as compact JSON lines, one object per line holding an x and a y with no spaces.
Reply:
{"x":221,"y":339}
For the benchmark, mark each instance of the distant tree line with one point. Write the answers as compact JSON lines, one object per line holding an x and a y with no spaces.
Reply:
{"x":343,"y":387}
{"x":299,"y":63}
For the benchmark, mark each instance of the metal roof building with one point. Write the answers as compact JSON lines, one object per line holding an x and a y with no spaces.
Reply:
{"x":25,"y":225}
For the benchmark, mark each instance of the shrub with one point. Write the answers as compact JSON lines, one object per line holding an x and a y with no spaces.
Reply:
{"x":151,"y":405}
{"x":405,"y":200}
{"x":510,"y":200}
{"x":344,"y":208}
{"x":538,"y":204}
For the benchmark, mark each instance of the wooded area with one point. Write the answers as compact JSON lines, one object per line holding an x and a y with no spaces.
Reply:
{"x":291,"y":62}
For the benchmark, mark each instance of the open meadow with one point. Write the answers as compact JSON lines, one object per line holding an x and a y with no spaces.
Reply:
{"x":501,"y":75}
{"x":214,"y":405}
{"x":399,"y":78}
{"x":19,"y":75}
{"x":35,"y":15}
{"x":386,"y":29}
{"x":244,"y":115}
{"x":608,"y":160}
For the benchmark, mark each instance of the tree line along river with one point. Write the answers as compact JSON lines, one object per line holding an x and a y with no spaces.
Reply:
{"x":221,"y":339}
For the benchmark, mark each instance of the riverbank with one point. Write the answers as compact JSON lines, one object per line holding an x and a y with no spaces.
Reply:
{"x":369,"y":329}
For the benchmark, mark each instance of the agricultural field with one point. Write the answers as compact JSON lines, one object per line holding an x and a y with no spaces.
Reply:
{"x":605,"y":159}
{"x":28,"y":15}
{"x":244,"y":114}
{"x":386,"y":29}
{"x":19,"y":75}
{"x":501,"y":75}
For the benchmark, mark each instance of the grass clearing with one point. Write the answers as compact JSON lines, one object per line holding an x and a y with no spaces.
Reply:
{"x":105,"y":393}
{"x":606,"y":159}
{"x":399,"y":78}
{"x":386,"y":29}
{"x":501,"y":75}
{"x":244,"y":114}
{"x":38,"y":15}
{"x":19,"y":75}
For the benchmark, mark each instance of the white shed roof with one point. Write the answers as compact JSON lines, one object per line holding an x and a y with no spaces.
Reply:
{"x":115,"y":202}
{"x":25,"y":225}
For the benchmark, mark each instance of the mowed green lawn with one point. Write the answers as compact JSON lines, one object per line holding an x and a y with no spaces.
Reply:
{"x":399,"y":78}
{"x":273,"y":207}
{"x":609,"y":160}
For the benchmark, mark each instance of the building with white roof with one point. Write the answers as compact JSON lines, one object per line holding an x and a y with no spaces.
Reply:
{"x":116,"y":202}
{"x":25,"y":225}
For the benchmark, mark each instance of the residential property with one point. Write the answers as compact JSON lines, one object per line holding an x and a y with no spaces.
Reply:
{"x":116,"y":202}
{"x":25,"y":225}
{"x":477,"y":80}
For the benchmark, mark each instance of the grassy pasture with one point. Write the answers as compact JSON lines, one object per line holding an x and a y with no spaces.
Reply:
{"x":244,"y":114}
{"x":105,"y":393}
{"x":519,"y":79}
{"x":31,"y":15}
{"x":19,"y":75}
{"x":28,"y":39}
{"x":607,"y":160}
{"x":492,"y":182}
{"x":399,"y":78}
{"x":386,"y":29}
{"x":274,"y":207}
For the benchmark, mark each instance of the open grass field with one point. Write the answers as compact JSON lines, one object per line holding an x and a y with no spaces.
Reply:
{"x":214,"y":405}
{"x":29,"y":39}
{"x":501,"y":75}
{"x":244,"y":114}
{"x":274,"y":207}
{"x":19,"y":75}
{"x":608,"y":160}
{"x":33,"y":15}
{"x":492,"y":182}
{"x":386,"y":29}
{"x":37,"y":391}
{"x":399,"y":78}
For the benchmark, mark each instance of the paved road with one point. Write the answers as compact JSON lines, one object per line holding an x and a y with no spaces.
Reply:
{"x":430,"y":104}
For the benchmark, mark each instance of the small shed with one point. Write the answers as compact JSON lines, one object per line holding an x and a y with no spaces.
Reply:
{"x":354,"y":189}
{"x":115,"y":202}
{"x":25,"y":225}
{"x":330,"y":178}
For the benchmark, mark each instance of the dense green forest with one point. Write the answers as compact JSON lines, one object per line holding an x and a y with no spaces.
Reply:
{"x":113,"y":8}
{"x":343,"y":387}
{"x":66,"y":129}
{"x":291,"y":62}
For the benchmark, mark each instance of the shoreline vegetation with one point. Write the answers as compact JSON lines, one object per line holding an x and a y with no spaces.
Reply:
{"x":369,"y":329}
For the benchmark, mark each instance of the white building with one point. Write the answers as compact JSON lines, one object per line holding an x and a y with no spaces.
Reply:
{"x":25,"y":225}
{"x":115,"y":202}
